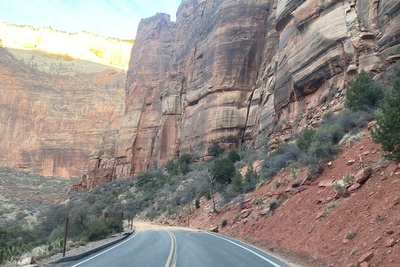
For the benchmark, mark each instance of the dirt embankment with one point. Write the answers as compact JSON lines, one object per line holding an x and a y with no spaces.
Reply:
{"x":311,"y":223}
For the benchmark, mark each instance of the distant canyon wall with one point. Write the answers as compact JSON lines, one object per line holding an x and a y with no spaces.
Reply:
{"x":82,"y":45}
{"x":50,"y":124}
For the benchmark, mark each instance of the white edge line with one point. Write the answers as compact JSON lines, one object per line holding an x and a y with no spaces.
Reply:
{"x":269,"y":261}
{"x":105,"y":251}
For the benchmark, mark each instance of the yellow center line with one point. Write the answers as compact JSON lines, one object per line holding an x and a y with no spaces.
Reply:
{"x":173,"y":252}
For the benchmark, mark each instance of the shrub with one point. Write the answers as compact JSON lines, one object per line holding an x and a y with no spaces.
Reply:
{"x":215,"y":149}
{"x":237,"y":182}
{"x":276,"y":184}
{"x":305,"y":140}
{"x":96,"y":230}
{"x":387,"y":127}
{"x":171,"y":167}
{"x":350,"y":235}
{"x":224,"y":222}
{"x":223,"y":170}
{"x":396,"y":51}
{"x":363,"y":93}
{"x":197,"y":202}
{"x":233,"y":156}
{"x":184,"y":158}
{"x":273,"y":205}
{"x":281,"y":156}
{"x":184,"y":169}
{"x":112,"y":225}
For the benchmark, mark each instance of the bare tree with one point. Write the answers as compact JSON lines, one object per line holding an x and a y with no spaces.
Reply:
{"x":206,"y":174}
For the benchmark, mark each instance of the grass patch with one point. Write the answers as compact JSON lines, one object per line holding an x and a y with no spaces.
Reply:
{"x":350,"y":235}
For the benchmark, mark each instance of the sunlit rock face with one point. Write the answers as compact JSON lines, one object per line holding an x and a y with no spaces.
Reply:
{"x":82,"y":45}
{"x":50,"y":124}
{"x":230,"y":71}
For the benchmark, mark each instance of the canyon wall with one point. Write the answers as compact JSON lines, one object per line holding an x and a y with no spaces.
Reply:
{"x":50,"y":124}
{"x":82,"y":45}
{"x":230,"y":71}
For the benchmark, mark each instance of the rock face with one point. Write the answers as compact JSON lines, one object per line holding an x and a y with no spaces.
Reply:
{"x":231,"y":70}
{"x":81,"y":45}
{"x":50,"y":123}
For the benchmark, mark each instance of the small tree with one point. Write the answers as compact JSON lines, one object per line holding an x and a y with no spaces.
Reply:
{"x":215,"y":149}
{"x":233,"y":156}
{"x":387,"y":128}
{"x":206,"y":175}
{"x":223,"y":170}
{"x":184,"y":158}
{"x":237,"y":182}
{"x":197,"y":202}
{"x":184,"y":168}
{"x":171,"y":167}
{"x":363,"y":93}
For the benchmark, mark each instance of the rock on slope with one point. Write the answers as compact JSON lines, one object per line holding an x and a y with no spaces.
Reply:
{"x":50,"y":123}
{"x":231,"y":70}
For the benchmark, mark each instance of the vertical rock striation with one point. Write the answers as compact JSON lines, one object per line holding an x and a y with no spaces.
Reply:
{"x":231,"y":70}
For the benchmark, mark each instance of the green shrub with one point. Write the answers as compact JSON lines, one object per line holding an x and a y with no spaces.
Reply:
{"x":237,"y":182}
{"x":233,"y":156}
{"x":113,"y":225}
{"x":197,"y":202}
{"x":184,"y":158}
{"x":97,"y":230}
{"x":171,"y":168}
{"x":387,"y":127}
{"x":305,"y":139}
{"x":215,"y":149}
{"x":273,"y":205}
{"x":363,"y":93}
{"x":184,"y":169}
{"x":396,"y":51}
{"x":223,"y":170}
{"x":350,"y":235}
{"x":224,"y":222}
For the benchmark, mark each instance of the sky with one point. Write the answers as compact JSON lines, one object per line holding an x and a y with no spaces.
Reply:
{"x":111,"y":18}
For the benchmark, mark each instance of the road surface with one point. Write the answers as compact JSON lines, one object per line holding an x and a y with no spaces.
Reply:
{"x":171,"y":247}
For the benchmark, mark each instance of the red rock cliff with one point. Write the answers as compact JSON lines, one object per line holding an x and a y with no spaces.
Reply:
{"x":50,"y":123}
{"x":230,"y":70}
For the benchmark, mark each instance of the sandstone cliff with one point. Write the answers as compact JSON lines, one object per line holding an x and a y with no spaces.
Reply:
{"x":231,"y":70}
{"x":51,"y":123}
{"x":81,"y":45}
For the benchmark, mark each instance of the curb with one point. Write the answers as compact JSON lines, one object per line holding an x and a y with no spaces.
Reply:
{"x":86,"y":253}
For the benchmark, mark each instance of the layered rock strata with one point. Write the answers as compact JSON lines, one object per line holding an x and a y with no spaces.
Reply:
{"x":230,"y":71}
{"x":50,"y":124}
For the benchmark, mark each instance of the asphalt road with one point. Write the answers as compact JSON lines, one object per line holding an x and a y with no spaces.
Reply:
{"x":167,"y":247}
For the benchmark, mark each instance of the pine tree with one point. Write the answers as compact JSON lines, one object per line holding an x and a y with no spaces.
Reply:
{"x":233,"y":156}
{"x":363,"y":93}
{"x":387,"y":128}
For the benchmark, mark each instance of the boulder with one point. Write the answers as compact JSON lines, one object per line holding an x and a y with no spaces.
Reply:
{"x":325,"y":183}
{"x":363,"y":175}
{"x":25,"y":262}
{"x":245,"y":213}
{"x":214,"y":229}
{"x":365,"y":257}
{"x":354,"y":187}
{"x":390,"y":242}
{"x":297,"y":183}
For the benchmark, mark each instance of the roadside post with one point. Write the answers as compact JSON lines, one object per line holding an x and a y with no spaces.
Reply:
{"x":65,"y":235}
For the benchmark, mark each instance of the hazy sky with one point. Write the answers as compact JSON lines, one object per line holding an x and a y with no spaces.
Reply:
{"x":111,"y":18}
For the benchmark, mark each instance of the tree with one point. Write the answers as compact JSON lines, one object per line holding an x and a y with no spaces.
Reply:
{"x":233,"y":156}
{"x":215,"y":149}
{"x":237,"y":182}
{"x":363,"y":93}
{"x":305,"y":140}
{"x":184,"y":168}
{"x":223,"y":170}
{"x":171,"y":168}
{"x":387,"y":128}
{"x":184,"y":158}
{"x":206,"y":174}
